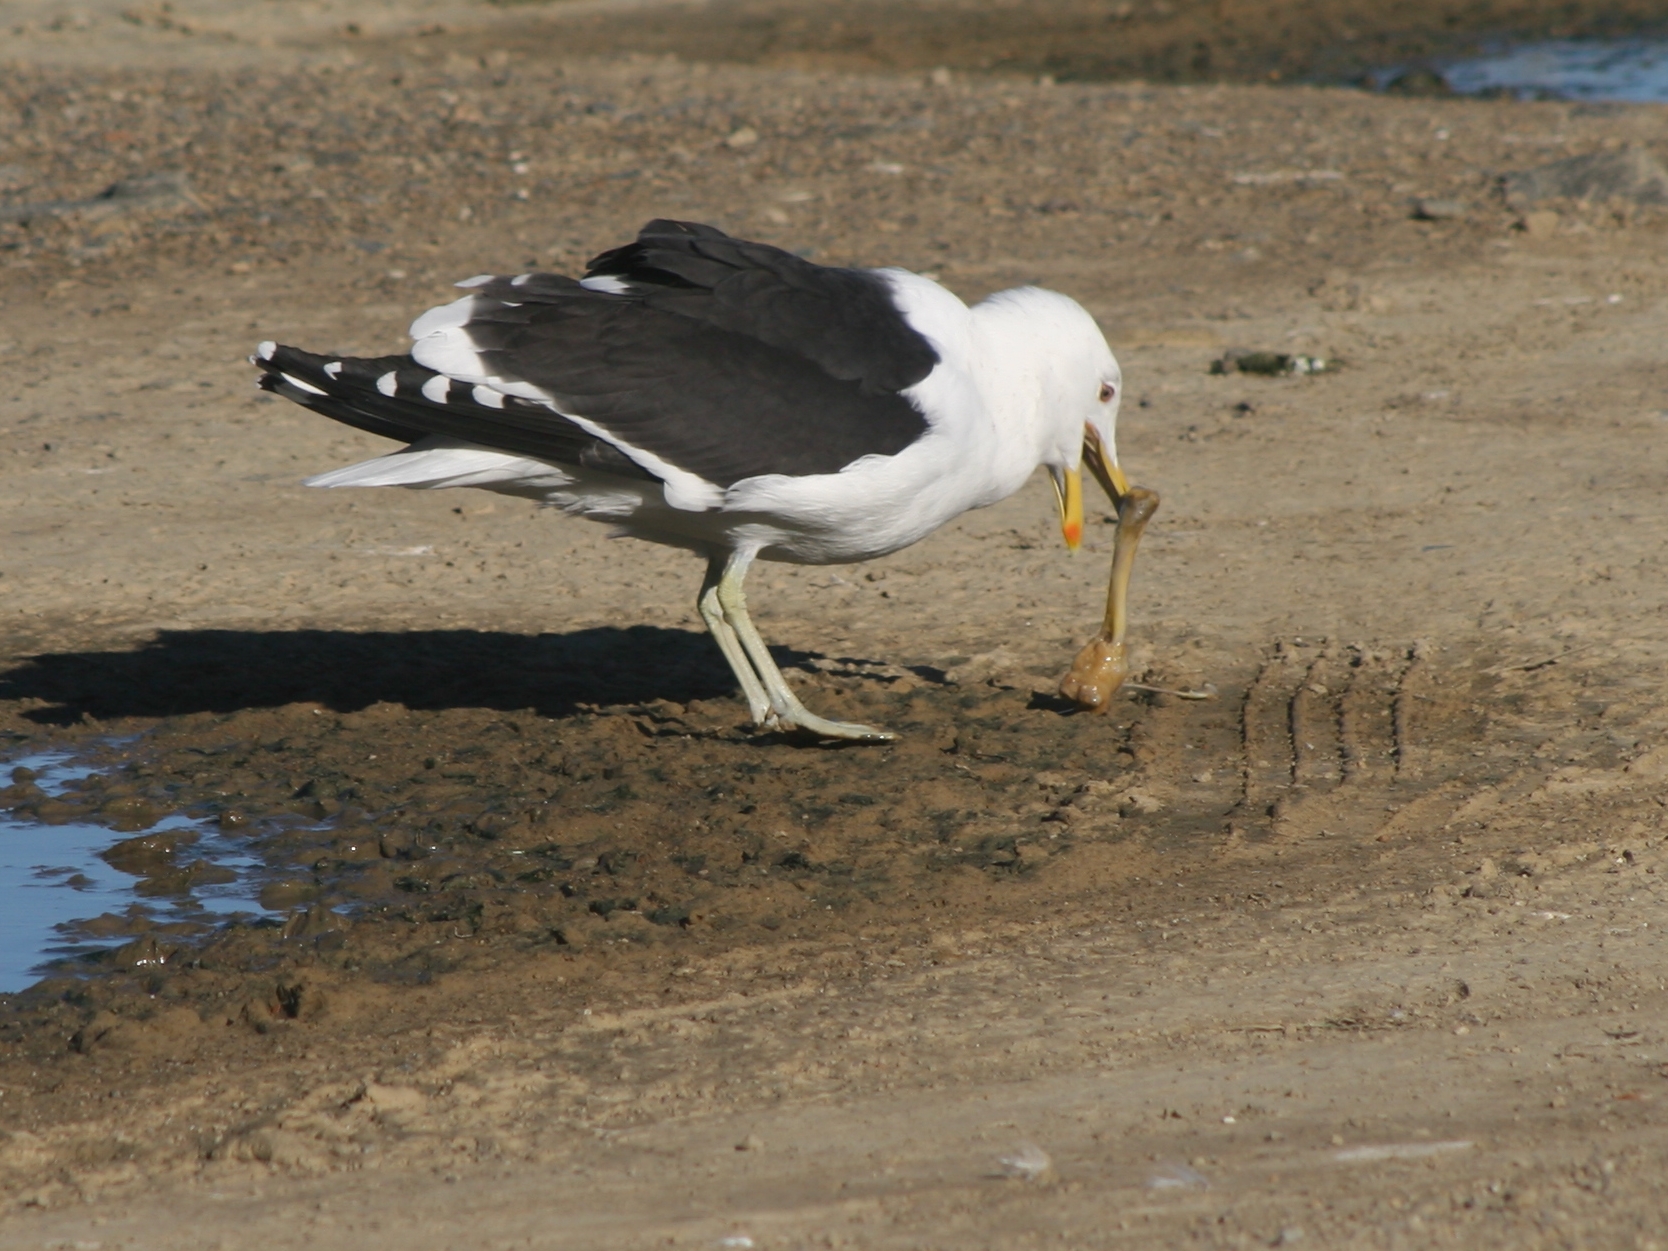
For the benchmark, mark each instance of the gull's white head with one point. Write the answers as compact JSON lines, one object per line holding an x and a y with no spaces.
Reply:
{"x":1078,"y":388}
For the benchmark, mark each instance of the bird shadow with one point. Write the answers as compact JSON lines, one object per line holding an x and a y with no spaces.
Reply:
{"x":193,"y":671}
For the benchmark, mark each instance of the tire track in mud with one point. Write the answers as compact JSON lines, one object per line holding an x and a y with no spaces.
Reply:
{"x":1332,"y":736}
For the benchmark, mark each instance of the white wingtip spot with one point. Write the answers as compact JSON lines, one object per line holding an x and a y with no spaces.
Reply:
{"x":479,"y":280}
{"x":333,"y":369}
{"x":486,"y":397}
{"x":434,"y":390}
{"x":608,"y":284}
{"x":265,"y":349}
{"x":520,"y":280}
{"x":302,"y":384}
{"x":388,"y":384}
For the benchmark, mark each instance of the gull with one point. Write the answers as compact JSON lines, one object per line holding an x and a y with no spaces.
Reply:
{"x":737,"y":401}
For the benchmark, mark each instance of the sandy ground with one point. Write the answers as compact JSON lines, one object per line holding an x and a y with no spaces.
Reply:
{"x":1366,"y":951}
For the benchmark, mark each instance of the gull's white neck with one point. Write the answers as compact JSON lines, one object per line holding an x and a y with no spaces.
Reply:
{"x":1020,"y":372}
{"x":1017,"y":343}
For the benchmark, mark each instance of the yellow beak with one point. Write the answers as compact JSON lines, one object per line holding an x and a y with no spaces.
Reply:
{"x":1105,"y":468}
{"x":1068,"y":490}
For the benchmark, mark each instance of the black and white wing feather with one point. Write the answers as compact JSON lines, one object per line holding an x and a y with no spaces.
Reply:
{"x":722,"y":358}
{"x":686,"y":352}
{"x":396,"y":398}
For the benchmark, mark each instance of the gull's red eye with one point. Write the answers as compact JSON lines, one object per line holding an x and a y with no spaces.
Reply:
{"x":1107,"y":391}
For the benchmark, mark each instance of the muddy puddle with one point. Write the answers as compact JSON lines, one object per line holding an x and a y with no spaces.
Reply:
{"x":73,"y":889}
{"x":631,"y":825}
{"x":1633,"y":71}
{"x":395,"y":844}
{"x":1323,"y":41}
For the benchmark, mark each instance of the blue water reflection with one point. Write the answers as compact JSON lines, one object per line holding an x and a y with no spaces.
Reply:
{"x":53,"y":881}
{"x":1634,"y":70}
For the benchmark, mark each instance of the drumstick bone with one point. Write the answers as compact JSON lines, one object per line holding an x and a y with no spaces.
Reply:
{"x":1102,"y":666}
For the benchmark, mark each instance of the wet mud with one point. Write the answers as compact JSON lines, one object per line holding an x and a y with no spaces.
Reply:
{"x":403,"y":841}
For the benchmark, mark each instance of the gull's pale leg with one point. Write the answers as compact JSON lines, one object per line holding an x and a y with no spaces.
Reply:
{"x":789,"y":712}
{"x":758,"y":702}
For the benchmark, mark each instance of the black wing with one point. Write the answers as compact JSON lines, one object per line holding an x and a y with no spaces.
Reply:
{"x":723,"y":358}
{"x":842,"y":320}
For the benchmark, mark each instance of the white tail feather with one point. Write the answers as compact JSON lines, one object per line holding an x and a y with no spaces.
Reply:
{"x":435,"y":462}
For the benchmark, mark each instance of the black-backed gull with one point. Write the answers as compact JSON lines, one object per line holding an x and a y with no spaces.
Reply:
{"x":731,"y":398}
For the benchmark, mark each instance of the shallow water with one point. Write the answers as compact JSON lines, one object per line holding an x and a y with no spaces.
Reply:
{"x":52,"y":879}
{"x":1633,"y":70}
